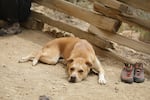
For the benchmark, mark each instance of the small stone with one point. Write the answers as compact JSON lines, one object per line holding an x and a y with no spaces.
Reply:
{"x":43,"y":97}
{"x":3,"y":65}
{"x":116,"y":83}
{"x":64,"y":84}
{"x":8,"y":95}
{"x":53,"y":88}
{"x":116,"y":90}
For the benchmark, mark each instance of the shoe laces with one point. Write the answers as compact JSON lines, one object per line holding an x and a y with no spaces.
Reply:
{"x":138,"y":68}
{"x":129,"y":69}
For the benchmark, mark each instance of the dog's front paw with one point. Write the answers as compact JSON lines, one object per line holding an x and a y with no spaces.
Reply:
{"x":34,"y":62}
{"x":102,"y":79}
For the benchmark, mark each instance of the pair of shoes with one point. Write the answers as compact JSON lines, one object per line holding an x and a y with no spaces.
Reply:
{"x":133,"y":73}
{"x":10,"y":29}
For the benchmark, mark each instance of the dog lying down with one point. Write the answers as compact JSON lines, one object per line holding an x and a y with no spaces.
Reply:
{"x":78,"y":54}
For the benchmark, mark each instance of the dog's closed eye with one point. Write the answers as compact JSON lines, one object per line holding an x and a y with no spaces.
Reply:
{"x":88,"y":64}
{"x":80,"y":71}
{"x":72,"y":69}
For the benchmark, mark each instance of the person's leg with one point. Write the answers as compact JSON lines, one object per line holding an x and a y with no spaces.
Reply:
{"x":9,"y":10}
{"x":14,"y":11}
{"x":9,"y":13}
{"x":24,"y":9}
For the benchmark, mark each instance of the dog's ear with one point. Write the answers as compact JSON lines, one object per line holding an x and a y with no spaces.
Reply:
{"x":88,"y":64}
{"x":70,"y":60}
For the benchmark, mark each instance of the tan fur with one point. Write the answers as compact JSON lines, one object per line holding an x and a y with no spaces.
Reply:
{"x":77,"y":53}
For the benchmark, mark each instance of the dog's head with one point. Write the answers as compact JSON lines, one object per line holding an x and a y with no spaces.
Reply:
{"x":78,"y":69}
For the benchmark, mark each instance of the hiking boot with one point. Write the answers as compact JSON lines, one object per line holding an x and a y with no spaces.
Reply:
{"x":139,"y":73}
{"x":10,"y":29}
{"x":127,"y":73}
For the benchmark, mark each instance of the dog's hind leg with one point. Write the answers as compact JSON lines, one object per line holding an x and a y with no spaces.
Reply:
{"x":51,"y":56}
{"x":27,"y":58}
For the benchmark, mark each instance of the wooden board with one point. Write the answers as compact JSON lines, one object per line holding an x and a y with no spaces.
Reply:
{"x":76,"y":31}
{"x":126,"y":15}
{"x":97,"y":42}
{"x":141,"y":4}
{"x":113,"y":4}
{"x":136,"y":45}
{"x":83,"y":14}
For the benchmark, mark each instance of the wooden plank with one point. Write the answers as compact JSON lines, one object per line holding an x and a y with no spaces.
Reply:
{"x":97,"y":42}
{"x":136,"y":45}
{"x":113,"y":4}
{"x":83,"y":14}
{"x":113,"y":55}
{"x":105,"y":10}
{"x":33,"y":24}
{"x":127,"y":15}
{"x":141,"y":4}
{"x":76,"y":31}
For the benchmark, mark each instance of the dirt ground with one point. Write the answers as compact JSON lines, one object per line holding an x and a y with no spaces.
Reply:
{"x":22,"y":81}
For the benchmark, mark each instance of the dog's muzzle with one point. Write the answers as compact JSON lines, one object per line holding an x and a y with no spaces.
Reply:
{"x":72,"y":79}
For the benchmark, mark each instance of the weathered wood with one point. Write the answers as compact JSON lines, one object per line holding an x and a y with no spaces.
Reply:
{"x":76,"y":31}
{"x":33,"y":24}
{"x":113,"y":55}
{"x":97,"y":42}
{"x":86,"y":15}
{"x":141,"y":4}
{"x":145,"y":37}
{"x":98,"y":7}
{"x":113,"y":4}
{"x":126,"y":15}
{"x":136,"y":45}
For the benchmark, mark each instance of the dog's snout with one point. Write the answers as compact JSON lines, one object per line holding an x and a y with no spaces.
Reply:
{"x":73,"y":79}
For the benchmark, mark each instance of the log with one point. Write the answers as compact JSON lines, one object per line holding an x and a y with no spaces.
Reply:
{"x":76,"y":31}
{"x":33,"y":24}
{"x":98,"y":7}
{"x":113,"y":55}
{"x":141,"y":4}
{"x":136,"y":45}
{"x":113,"y":4}
{"x":83,"y":14}
{"x":126,"y":15}
{"x":96,"y":42}
{"x":145,"y":37}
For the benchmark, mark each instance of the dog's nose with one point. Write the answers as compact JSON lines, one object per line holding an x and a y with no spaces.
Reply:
{"x":73,"y":79}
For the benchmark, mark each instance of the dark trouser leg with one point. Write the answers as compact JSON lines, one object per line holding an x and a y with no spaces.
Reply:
{"x":9,"y":10}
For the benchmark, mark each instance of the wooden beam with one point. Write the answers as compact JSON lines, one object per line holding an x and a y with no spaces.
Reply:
{"x":97,"y":42}
{"x":113,"y":4}
{"x":76,"y":31}
{"x":101,"y":8}
{"x":113,"y":55}
{"x":33,"y":24}
{"x":136,"y":45}
{"x":83,"y":14}
{"x":141,"y":4}
{"x":125,"y":15}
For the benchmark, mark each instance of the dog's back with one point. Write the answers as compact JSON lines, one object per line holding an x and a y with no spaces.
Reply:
{"x":65,"y":45}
